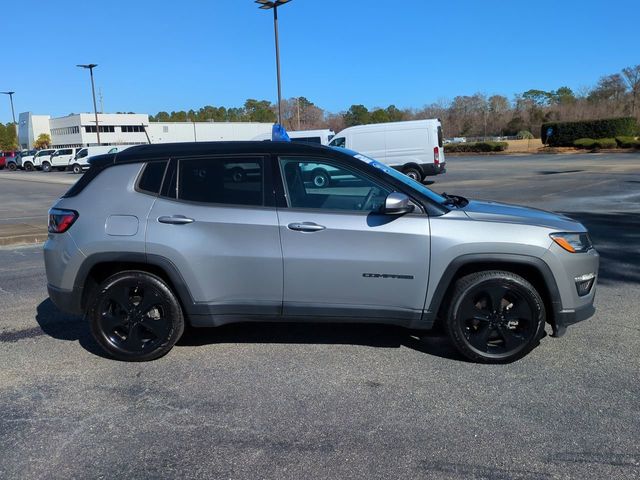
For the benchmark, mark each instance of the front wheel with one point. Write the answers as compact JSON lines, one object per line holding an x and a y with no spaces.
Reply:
{"x":495,"y":317}
{"x":28,"y":166}
{"x":46,"y":167}
{"x":77,"y":168}
{"x":135,"y":316}
{"x":12,"y":166}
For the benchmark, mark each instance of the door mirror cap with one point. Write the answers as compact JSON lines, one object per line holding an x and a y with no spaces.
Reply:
{"x":397,"y":203}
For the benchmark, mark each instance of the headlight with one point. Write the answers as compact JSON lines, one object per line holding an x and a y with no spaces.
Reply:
{"x":573,"y":242}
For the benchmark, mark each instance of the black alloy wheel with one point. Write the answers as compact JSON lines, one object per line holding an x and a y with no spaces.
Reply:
{"x":495,"y":317}
{"x":136,"y":317}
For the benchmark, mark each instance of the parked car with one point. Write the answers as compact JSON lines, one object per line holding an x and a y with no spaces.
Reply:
{"x":18,"y":161}
{"x":80,"y":161}
{"x":27,"y":158}
{"x":415,"y":148}
{"x":8,"y":160}
{"x":41,"y":160}
{"x":158,"y":236}
{"x":60,"y":159}
{"x":4,"y":155}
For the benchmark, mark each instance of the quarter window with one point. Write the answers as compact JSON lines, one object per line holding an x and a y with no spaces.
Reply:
{"x":338,"y":142}
{"x":231,"y":181}
{"x":322,"y":184}
{"x":151,"y":178}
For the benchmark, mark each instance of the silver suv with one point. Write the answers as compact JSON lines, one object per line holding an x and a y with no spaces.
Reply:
{"x":160,"y":235}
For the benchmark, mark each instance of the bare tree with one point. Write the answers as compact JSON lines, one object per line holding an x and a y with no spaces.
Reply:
{"x":632,"y":77}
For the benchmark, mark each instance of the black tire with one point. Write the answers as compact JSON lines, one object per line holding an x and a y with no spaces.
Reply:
{"x":77,"y":168}
{"x":28,"y":166}
{"x":46,"y":167}
{"x":320,"y":178}
{"x":413,"y":173}
{"x":12,"y":166}
{"x":495,"y":317}
{"x":135,"y":317}
{"x":238,"y":175}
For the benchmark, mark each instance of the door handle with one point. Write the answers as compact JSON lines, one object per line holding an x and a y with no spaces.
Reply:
{"x":176,"y":220}
{"x":305,"y":227}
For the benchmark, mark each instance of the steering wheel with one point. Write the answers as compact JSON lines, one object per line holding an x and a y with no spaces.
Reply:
{"x":369,"y":198}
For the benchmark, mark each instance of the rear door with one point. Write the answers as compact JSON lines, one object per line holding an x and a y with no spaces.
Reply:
{"x":221,"y":232}
{"x":341,"y":257}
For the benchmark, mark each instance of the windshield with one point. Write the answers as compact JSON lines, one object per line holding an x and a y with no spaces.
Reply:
{"x":396,"y":174}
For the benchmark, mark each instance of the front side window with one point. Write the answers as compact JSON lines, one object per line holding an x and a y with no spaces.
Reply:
{"x":231,"y":181}
{"x":338,"y":142}
{"x":324,"y":184}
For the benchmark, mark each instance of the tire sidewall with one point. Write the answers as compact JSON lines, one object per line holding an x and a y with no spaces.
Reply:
{"x":177,"y":317}
{"x":46,"y":167}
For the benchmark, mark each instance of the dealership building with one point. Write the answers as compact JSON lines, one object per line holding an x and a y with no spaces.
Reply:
{"x":79,"y":130}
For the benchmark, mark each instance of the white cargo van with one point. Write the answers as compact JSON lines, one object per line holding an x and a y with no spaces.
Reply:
{"x":322,"y":137}
{"x":414,"y":148}
{"x":81,"y":160}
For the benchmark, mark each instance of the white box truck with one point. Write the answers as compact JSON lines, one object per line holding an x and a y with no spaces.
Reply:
{"x":414,"y":148}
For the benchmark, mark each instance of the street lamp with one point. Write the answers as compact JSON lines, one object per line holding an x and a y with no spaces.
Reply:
{"x":13,"y":113}
{"x":91,"y":66}
{"x":268,"y":5}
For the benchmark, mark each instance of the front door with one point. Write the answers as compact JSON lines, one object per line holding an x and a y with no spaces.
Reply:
{"x":221,"y":232}
{"x":341,"y":257}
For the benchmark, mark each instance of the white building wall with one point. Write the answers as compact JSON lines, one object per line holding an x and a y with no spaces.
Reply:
{"x":165,"y":132}
{"x":30,"y":127}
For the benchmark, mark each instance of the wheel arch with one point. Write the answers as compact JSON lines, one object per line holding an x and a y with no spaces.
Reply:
{"x":98,"y":267}
{"x":533,"y":269}
{"x":412,"y":165}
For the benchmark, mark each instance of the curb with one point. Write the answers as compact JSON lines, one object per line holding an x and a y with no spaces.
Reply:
{"x":23,"y":239}
{"x":50,"y":181}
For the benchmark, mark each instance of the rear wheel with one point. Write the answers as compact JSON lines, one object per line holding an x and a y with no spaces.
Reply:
{"x":320,"y":178}
{"x":413,"y":173}
{"x":77,"y":168}
{"x":495,"y":317}
{"x":46,"y":167}
{"x":136,"y":317}
{"x":12,"y":166}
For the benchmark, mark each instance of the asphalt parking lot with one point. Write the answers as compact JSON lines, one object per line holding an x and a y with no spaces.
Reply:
{"x":336,"y":401}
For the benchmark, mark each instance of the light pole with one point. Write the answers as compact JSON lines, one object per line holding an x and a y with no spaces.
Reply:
{"x":91,"y":66}
{"x":13,"y":113}
{"x":269,"y":5}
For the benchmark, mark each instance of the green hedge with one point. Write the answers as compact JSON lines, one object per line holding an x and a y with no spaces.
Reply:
{"x":563,"y":134}
{"x":628,"y":142}
{"x":476,"y":147}
{"x":591,"y":144}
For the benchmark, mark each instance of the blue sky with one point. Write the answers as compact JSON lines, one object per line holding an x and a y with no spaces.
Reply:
{"x":168,"y":55}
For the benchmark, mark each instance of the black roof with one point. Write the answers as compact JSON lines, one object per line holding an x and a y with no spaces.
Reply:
{"x":167,"y":150}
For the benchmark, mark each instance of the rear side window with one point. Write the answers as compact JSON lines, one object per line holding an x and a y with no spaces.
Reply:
{"x":231,"y":181}
{"x":440,"y":136}
{"x":151,"y":178}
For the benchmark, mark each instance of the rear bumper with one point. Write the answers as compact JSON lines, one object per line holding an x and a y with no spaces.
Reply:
{"x":69,"y":301}
{"x":433,"y":169}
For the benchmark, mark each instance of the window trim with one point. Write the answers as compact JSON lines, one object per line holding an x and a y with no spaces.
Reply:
{"x":141,"y":173}
{"x":283,"y":188}
{"x":173,"y":170}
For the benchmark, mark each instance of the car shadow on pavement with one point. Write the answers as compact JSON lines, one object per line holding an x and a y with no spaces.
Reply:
{"x":616,"y":237}
{"x":62,"y":326}
{"x":372,"y":335}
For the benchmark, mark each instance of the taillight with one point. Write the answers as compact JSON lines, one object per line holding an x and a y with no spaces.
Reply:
{"x":60,"y":220}
{"x":436,"y":155}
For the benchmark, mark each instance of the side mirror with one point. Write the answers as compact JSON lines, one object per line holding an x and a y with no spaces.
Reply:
{"x":397,"y":203}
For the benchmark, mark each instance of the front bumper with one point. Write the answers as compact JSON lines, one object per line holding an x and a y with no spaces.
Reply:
{"x":565,"y":318}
